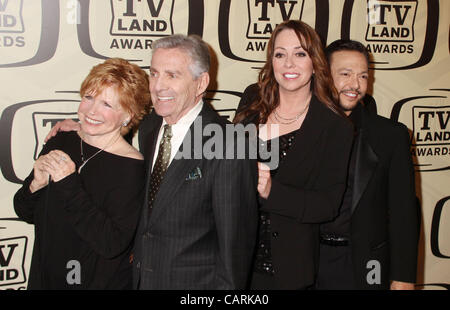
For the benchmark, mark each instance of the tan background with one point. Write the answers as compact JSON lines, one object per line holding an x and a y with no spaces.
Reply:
{"x":47,"y":47}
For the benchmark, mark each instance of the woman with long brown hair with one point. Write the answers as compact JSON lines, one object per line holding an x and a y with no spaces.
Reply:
{"x":295,"y":95}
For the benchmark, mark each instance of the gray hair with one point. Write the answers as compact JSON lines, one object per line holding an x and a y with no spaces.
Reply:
{"x":193,"y":45}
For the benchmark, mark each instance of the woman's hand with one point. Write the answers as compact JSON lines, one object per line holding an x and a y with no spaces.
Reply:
{"x":264,"y":180}
{"x":40,"y":175}
{"x":58,"y":165}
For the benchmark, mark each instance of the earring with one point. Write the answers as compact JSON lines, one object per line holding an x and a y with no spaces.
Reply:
{"x":125,"y":123}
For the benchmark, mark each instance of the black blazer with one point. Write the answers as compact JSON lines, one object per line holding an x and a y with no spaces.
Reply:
{"x":385,"y":213}
{"x":202,"y":229}
{"x":307,"y":190}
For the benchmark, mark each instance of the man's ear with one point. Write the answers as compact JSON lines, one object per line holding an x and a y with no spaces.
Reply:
{"x":203,"y":83}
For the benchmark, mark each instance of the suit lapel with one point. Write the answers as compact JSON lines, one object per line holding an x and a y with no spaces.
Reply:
{"x":179,"y":169}
{"x":366,"y":161}
{"x":149,"y":139}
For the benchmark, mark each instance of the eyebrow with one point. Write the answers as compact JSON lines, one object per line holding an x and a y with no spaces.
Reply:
{"x":348,"y":69}
{"x":166,"y":71}
{"x":297,"y":47}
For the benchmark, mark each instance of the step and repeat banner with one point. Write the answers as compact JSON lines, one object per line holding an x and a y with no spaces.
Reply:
{"x":47,"y":47}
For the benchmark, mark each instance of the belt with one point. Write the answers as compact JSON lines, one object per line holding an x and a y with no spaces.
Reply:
{"x":334,"y":240}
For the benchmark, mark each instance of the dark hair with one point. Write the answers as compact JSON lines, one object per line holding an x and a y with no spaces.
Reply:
{"x":346,"y":45}
{"x":322,"y":83}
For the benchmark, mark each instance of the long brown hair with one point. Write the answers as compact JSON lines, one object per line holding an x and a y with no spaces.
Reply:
{"x":322,"y":82}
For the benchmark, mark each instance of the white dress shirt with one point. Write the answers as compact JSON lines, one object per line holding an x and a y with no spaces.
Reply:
{"x":179,"y":131}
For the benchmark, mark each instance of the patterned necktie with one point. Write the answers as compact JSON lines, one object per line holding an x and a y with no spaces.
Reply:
{"x":161,"y":164}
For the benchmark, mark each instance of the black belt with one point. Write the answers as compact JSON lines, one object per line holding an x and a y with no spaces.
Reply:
{"x":334,"y":240}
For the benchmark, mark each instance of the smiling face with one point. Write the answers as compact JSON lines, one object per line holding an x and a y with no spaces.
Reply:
{"x":101,"y":116}
{"x":292,"y":66}
{"x":173,"y":88}
{"x":350,"y":75}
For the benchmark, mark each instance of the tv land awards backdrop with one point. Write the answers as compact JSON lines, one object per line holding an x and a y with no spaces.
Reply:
{"x":47,"y":47}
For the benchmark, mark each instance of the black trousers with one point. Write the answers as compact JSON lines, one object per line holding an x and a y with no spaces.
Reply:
{"x":335,"y":268}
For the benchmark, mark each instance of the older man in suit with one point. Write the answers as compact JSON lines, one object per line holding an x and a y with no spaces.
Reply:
{"x":372,"y":244}
{"x":198,"y":227}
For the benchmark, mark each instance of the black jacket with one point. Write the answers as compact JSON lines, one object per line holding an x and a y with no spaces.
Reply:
{"x":307,"y":190}
{"x":385,"y":213}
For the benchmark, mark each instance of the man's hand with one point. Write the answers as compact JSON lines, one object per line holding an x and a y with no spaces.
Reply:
{"x":65,"y":125}
{"x":397,"y":285}
{"x":264,"y":180}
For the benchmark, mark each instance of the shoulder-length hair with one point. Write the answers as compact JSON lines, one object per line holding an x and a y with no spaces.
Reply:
{"x":322,"y":83}
{"x":130,"y":82}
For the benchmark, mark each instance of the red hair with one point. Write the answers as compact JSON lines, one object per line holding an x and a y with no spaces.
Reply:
{"x":130,"y":82}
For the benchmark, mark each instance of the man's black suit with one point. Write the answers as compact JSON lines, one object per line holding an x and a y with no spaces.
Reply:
{"x":202,"y":228}
{"x":384,"y":212}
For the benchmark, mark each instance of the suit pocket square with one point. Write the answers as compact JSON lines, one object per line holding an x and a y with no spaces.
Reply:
{"x":194,"y":174}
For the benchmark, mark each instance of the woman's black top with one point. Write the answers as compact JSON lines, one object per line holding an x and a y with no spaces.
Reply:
{"x":263,"y":261}
{"x":85,"y":223}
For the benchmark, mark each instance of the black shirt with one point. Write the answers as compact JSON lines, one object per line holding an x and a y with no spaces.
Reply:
{"x":85,"y":221}
{"x":263,"y":261}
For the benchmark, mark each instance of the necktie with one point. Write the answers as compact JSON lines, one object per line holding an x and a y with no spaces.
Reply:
{"x":161,"y":164}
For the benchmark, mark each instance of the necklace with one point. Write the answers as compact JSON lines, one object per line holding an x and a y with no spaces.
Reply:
{"x":287,"y":121}
{"x":83,"y":161}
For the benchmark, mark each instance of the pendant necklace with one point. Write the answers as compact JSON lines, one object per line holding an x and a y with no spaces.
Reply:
{"x":83,"y":161}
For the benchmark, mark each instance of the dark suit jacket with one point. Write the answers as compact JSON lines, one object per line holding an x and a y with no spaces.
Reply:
{"x":307,"y":190}
{"x":202,"y":229}
{"x":385,"y":215}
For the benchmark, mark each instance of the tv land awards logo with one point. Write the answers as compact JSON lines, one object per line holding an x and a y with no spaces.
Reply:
{"x":391,"y":22}
{"x":395,"y":37}
{"x":264,"y":14}
{"x":12,"y":261}
{"x":25,"y":38}
{"x":247,"y":41}
{"x":35,"y":118}
{"x":133,"y":25}
{"x":142,"y":18}
{"x":430,"y":137}
{"x":11,"y":24}
{"x":11,"y":20}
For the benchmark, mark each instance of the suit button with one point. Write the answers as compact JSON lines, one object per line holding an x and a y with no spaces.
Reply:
{"x":275,"y":234}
